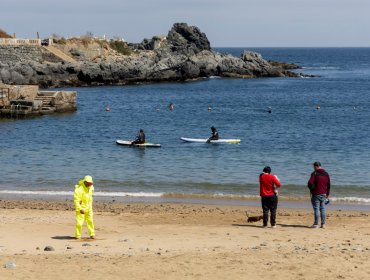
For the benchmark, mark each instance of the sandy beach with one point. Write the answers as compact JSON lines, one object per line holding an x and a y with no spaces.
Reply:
{"x":180,"y":241}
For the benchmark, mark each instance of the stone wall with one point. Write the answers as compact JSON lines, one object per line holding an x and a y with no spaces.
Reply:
{"x":24,"y":53}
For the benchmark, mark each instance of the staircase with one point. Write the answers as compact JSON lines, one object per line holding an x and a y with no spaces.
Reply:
{"x":46,"y":106}
{"x":58,"y":53}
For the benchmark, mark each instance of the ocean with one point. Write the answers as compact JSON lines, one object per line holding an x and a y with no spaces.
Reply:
{"x":48,"y":155}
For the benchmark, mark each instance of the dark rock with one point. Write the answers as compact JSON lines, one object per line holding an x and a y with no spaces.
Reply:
{"x":283,"y":65}
{"x":187,"y":39}
{"x":49,"y":248}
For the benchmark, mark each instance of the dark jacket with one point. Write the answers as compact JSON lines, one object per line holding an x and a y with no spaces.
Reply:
{"x":319,"y":182}
{"x":214,"y":135}
{"x":140,"y":139}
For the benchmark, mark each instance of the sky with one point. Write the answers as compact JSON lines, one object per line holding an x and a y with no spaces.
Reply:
{"x":227,"y":23}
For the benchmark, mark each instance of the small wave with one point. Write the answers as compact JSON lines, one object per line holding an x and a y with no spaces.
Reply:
{"x":352,"y":199}
{"x":223,"y":196}
{"x":70,"y":193}
{"x":210,"y":196}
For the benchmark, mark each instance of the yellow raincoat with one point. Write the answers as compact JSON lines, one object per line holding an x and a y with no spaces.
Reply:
{"x":83,"y":201}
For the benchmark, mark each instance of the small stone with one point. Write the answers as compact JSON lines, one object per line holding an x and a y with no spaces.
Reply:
{"x":9,"y":265}
{"x":86,"y":244}
{"x":69,"y":247}
{"x":37,"y":248}
{"x":49,"y":248}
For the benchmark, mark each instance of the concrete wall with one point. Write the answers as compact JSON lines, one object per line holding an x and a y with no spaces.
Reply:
{"x":15,"y":41}
{"x":18,"y":93}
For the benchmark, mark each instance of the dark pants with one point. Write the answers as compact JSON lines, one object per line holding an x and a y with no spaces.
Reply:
{"x":269,"y":203}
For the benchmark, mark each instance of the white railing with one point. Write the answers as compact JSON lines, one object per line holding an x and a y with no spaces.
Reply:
{"x":13,"y":41}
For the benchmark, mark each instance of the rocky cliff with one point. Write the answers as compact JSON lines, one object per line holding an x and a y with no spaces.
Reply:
{"x":185,"y":53}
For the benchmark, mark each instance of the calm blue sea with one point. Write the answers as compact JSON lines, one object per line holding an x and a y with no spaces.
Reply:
{"x":51,"y":153}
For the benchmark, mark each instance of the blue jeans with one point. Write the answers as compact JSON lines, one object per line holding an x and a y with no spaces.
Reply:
{"x":318,"y":203}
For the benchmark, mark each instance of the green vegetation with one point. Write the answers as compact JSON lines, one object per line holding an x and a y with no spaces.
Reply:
{"x":121,"y":47}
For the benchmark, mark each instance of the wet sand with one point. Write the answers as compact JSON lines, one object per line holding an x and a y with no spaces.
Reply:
{"x":180,"y":241}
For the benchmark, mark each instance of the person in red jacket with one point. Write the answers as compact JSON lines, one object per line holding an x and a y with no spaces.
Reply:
{"x":319,"y":185}
{"x":269,"y":198}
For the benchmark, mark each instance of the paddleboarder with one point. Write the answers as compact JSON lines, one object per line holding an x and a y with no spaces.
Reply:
{"x":140,"y":138}
{"x":214,"y":135}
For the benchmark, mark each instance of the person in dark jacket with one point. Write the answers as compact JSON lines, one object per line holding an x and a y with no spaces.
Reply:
{"x":214,"y":135}
{"x":268,"y":192}
{"x":319,"y":185}
{"x":140,"y":138}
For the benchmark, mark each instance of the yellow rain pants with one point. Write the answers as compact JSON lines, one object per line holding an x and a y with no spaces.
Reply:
{"x":83,"y":201}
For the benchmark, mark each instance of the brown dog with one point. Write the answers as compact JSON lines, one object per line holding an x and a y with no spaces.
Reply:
{"x":254,"y":219}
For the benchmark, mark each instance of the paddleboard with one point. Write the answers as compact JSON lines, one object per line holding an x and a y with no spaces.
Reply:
{"x":200,"y":140}
{"x":146,"y":144}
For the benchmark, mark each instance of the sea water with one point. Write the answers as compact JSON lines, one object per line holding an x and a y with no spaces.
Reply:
{"x":49,"y":154}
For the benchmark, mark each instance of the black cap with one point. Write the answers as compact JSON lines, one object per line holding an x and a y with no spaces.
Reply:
{"x":267,"y":169}
{"x":317,"y":164}
{"x":213,"y":128}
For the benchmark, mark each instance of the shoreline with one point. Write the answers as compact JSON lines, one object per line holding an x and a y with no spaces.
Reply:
{"x":65,"y":200}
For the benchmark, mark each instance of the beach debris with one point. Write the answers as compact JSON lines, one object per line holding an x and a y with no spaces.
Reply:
{"x":86,"y":244}
{"x":49,"y":248}
{"x":123,"y":240}
{"x":69,"y":247}
{"x":9,"y":265}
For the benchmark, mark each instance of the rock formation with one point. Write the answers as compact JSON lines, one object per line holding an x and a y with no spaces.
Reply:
{"x":185,"y":53}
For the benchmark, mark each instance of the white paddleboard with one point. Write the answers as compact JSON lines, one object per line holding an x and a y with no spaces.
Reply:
{"x":146,"y":144}
{"x":201,"y":140}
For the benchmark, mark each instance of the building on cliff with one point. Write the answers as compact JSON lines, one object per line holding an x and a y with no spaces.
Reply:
{"x":23,"y":101}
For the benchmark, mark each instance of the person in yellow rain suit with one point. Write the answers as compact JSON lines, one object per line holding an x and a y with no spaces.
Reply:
{"x":83,"y":200}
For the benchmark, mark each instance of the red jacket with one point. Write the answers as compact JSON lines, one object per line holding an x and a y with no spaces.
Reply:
{"x":319,"y":182}
{"x":267,"y":184}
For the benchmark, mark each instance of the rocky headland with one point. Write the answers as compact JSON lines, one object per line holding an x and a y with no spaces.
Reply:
{"x":184,"y":54}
